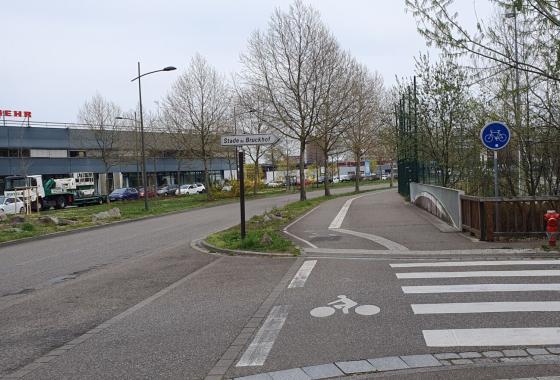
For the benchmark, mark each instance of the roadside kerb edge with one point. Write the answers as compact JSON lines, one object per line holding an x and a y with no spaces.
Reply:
{"x":406,"y":363}
{"x":235,"y":252}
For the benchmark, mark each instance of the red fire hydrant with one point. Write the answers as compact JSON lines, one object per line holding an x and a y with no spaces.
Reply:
{"x":551,"y":218}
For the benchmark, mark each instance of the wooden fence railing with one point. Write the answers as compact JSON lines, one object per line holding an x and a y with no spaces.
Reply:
{"x":492,"y":218}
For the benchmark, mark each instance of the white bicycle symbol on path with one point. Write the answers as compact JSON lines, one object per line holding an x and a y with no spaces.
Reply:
{"x":345,"y":304}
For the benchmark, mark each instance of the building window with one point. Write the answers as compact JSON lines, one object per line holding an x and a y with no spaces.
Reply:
{"x":77,"y":153}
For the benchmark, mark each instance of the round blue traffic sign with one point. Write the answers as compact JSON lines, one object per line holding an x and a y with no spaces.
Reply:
{"x":495,"y":135}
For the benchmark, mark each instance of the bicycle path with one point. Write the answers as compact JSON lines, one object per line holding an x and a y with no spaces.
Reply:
{"x":382,"y":220}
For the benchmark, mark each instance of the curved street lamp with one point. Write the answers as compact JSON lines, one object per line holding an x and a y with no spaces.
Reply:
{"x":144,"y":175}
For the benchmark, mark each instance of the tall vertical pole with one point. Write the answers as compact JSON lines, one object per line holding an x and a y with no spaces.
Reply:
{"x":517,"y":92}
{"x":144,"y":176}
{"x":242,"y":192}
{"x":496,"y":192}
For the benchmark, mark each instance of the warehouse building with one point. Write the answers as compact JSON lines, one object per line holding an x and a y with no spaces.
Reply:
{"x":58,"y":150}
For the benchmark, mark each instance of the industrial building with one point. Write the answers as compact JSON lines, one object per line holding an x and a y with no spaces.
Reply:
{"x":58,"y":150}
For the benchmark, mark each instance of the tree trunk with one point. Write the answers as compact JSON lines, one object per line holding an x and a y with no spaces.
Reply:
{"x":302,"y":194}
{"x":206,"y":178}
{"x":326,"y":176}
{"x":357,"y":176}
{"x":256,"y":172}
{"x":107,"y":185}
{"x":256,"y":179}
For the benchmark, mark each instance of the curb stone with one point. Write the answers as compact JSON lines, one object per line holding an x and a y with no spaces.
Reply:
{"x":235,"y":252}
{"x":539,"y":355}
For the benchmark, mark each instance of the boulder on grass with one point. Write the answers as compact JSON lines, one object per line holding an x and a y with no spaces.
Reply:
{"x":112,"y":213}
{"x":266,"y":239}
{"x":66,"y":222}
{"x":17,"y":219}
{"x":48,"y":220}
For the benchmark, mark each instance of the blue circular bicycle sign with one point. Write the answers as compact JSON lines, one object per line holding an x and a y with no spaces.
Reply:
{"x":495,"y":135}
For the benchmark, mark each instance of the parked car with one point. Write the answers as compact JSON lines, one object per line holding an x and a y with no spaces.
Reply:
{"x":167,"y":190}
{"x":336,"y":179}
{"x":172,"y":189}
{"x":385,"y":176}
{"x":151,"y":192}
{"x":11,"y":205}
{"x":187,"y":190}
{"x":274,"y":184}
{"x":125,"y":193}
{"x":201,"y":188}
{"x":344,"y":178}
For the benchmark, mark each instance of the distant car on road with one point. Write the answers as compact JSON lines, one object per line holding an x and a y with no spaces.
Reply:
{"x":187,"y":190}
{"x":11,"y":205}
{"x":385,"y":176}
{"x":125,"y":193}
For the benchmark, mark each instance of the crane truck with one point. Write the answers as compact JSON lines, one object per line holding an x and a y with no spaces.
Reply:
{"x":58,"y":193}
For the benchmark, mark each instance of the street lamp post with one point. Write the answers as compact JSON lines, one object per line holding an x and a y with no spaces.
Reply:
{"x":144,"y":175}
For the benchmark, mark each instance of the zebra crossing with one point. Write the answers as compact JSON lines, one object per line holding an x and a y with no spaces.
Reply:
{"x":484,"y":303}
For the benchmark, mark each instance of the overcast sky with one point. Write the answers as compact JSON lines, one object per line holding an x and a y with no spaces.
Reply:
{"x":56,"y":54}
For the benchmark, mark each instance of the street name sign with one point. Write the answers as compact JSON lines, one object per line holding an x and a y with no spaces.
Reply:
{"x":239,"y":140}
{"x":495,"y":135}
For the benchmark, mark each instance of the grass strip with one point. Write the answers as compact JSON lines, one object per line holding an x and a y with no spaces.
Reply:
{"x":81,"y":217}
{"x":264,"y":232}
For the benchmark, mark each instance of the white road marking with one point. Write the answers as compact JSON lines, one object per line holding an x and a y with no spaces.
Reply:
{"x":339,"y":218}
{"x":420,"y":254}
{"x":479,"y":288}
{"x":492,"y":337}
{"x":260,"y":347}
{"x":475,"y":263}
{"x":302,"y":274}
{"x":504,"y":273}
{"x":484,"y":307}
{"x":389,"y":244}
{"x":285,"y":230}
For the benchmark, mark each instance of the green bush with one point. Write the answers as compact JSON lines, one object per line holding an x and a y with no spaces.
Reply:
{"x":27,"y":227}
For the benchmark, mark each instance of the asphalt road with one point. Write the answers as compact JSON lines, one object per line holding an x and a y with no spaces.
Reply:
{"x":251,"y":316}
{"x":53,"y":290}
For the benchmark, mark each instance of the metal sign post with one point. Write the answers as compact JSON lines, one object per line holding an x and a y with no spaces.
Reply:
{"x":242,"y":192}
{"x":495,"y":136}
{"x":239,"y":141}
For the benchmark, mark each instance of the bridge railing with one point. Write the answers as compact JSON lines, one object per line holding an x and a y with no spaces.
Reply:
{"x":489,"y":218}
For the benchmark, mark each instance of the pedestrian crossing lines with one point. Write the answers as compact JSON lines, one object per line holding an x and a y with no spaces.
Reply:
{"x":520,"y":287}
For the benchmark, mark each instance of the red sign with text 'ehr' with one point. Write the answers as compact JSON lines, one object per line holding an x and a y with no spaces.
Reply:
{"x":10,"y":113}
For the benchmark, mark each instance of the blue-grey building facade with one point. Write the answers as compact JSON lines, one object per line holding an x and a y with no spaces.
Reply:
{"x":59,"y":152}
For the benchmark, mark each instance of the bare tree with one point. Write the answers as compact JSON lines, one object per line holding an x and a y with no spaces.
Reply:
{"x":198,"y":104}
{"x":100,"y":115}
{"x":287,"y":64}
{"x":336,"y":109}
{"x":367,"y":101}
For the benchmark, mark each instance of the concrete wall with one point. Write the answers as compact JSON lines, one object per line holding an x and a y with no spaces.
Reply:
{"x":440,"y":201}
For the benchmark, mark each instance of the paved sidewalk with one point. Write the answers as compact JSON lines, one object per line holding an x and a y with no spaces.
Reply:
{"x":387,"y":216}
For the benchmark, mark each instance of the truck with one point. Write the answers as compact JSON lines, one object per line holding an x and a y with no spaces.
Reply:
{"x":77,"y":190}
